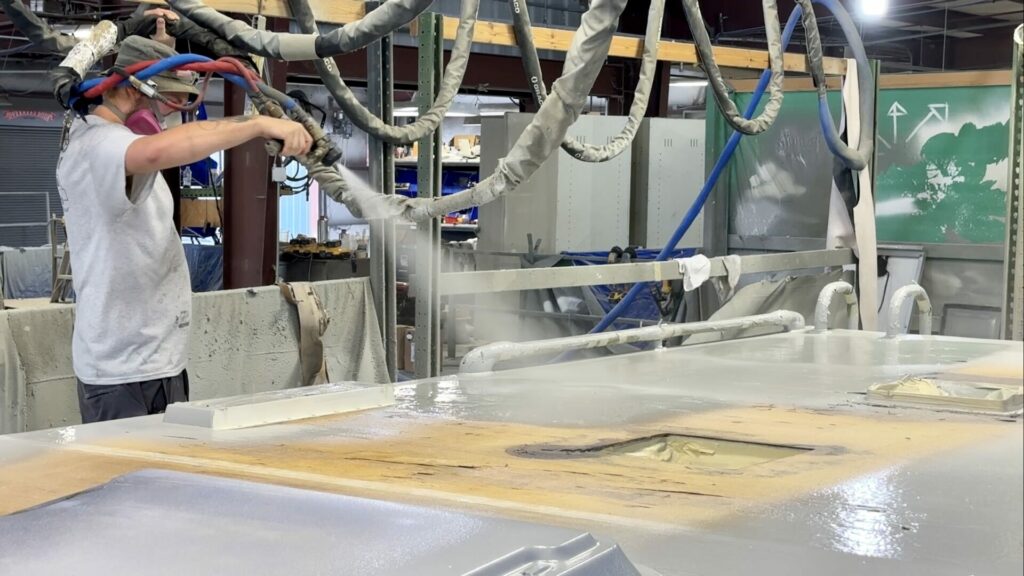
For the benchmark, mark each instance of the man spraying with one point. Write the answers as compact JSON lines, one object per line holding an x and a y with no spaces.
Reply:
{"x":134,"y":299}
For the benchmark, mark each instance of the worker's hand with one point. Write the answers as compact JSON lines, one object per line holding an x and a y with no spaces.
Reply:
{"x":294,"y":135}
{"x":162,"y":17}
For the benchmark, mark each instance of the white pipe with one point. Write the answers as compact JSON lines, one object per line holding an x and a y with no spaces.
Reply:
{"x":484,"y":358}
{"x":828,"y":293}
{"x":924,"y":308}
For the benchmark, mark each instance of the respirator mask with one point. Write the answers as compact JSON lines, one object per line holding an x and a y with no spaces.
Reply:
{"x":149,"y":120}
{"x":145,"y":122}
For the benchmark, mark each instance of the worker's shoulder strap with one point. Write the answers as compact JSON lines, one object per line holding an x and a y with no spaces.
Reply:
{"x":313,"y":321}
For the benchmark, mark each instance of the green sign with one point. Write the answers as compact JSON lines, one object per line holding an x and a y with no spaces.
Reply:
{"x":942,"y":165}
{"x":940,"y":177}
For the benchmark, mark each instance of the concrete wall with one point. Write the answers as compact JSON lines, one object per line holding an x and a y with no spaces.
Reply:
{"x":243,"y":341}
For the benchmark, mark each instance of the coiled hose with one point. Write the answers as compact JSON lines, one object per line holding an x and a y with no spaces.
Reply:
{"x":531,"y":63}
{"x":859,"y":157}
{"x":583,"y":60}
{"x":538,"y":141}
{"x":547,"y":129}
{"x":705,"y":52}
{"x":367,"y":121}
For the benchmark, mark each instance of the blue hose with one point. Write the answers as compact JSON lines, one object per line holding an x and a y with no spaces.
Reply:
{"x":855,"y":159}
{"x":163,"y":66}
{"x":154,"y":69}
{"x":824,"y":116}
{"x":288,"y":103}
{"x":709,"y":185}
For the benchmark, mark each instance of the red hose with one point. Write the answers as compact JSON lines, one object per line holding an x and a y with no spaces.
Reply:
{"x":115,"y":79}
{"x":220,"y":66}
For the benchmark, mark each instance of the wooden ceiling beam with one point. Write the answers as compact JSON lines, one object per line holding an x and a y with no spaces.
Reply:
{"x":502,"y":34}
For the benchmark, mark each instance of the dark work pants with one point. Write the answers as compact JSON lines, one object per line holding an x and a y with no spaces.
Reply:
{"x":100,"y":402}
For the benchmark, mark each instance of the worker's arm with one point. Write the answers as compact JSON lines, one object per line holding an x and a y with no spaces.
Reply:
{"x":194,"y":141}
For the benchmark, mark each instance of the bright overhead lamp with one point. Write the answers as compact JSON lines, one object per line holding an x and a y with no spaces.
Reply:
{"x":874,"y":7}
{"x":689,"y":83}
{"x":79,"y":31}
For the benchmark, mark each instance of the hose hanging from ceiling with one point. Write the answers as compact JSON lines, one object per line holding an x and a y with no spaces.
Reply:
{"x":858,"y":157}
{"x":805,"y":13}
{"x":547,"y":129}
{"x":557,"y":112}
{"x":183,"y":29}
{"x":538,"y":141}
{"x":387,"y":18}
{"x":705,"y":52}
{"x":641,"y":97}
{"x":368,"y":121}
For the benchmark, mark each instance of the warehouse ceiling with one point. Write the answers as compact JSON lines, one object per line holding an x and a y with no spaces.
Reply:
{"x":913,"y":35}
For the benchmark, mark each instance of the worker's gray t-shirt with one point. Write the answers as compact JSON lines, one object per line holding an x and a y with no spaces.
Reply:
{"x":132,"y":287}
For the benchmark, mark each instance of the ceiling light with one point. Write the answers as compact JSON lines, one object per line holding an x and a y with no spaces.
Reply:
{"x":79,"y":31}
{"x":874,"y":7}
{"x":690,"y":83}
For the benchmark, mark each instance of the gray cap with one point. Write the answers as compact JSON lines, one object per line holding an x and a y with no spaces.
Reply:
{"x":135,"y":49}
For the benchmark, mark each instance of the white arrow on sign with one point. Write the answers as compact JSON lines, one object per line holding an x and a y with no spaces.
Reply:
{"x":933,"y":112}
{"x":895,"y":111}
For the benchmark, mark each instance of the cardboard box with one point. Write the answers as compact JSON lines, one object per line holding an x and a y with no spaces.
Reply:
{"x":199,"y":213}
{"x":464,"y":143}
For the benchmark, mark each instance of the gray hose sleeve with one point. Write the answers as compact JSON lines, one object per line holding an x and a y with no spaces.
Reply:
{"x":284,"y":46}
{"x":182,"y":29}
{"x":428,"y":122}
{"x":377,"y":23}
{"x":542,"y":136}
{"x":523,"y":28}
{"x":641,"y":97}
{"x":37,"y":31}
{"x":280,"y":46}
{"x":855,"y":158}
{"x":719,"y":88}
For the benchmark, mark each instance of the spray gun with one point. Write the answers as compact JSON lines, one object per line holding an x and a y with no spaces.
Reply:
{"x":323,"y":150}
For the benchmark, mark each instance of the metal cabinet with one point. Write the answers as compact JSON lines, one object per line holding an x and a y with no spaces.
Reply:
{"x":568,"y":204}
{"x":668,"y":172}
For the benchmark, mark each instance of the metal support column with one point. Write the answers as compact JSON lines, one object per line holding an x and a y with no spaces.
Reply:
{"x":428,"y":234}
{"x":716,"y":213}
{"x":380,"y":90}
{"x":1013,"y":296}
{"x":250,"y":197}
